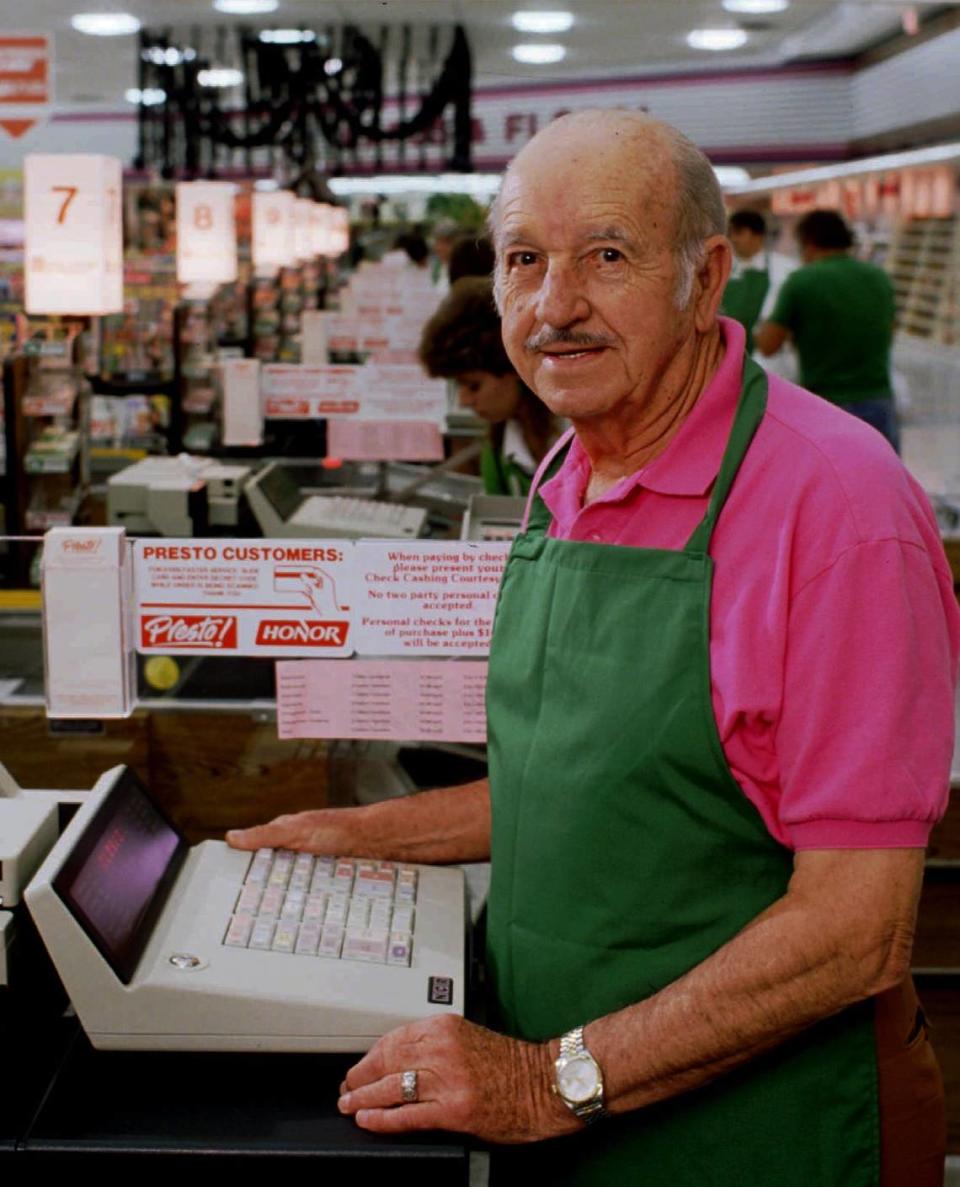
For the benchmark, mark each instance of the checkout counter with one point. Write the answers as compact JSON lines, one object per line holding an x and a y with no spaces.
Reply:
{"x":208,"y":743}
{"x":67,"y":1103}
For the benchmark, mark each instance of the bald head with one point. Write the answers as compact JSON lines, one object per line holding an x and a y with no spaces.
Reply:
{"x":675,"y":181}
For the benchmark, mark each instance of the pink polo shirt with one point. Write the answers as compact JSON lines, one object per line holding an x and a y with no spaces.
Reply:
{"x":834,"y":630}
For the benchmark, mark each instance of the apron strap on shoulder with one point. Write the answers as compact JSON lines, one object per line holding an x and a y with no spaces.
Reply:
{"x":750,"y":409}
{"x":536,"y":510}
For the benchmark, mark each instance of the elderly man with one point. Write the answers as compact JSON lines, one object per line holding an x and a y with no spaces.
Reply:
{"x":720,"y":724}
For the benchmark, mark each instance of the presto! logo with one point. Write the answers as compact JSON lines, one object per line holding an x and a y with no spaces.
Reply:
{"x":213,"y":631}
{"x":82,"y":547}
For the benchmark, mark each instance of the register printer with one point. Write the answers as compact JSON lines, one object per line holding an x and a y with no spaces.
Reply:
{"x":175,"y":496}
{"x":163,"y":946}
{"x":283,"y":509}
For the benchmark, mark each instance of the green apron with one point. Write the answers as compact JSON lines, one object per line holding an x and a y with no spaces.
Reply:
{"x":744,"y":296}
{"x":624,"y":853}
{"x":500,"y":475}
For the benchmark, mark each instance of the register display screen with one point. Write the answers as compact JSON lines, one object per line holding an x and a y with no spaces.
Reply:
{"x":117,"y":877}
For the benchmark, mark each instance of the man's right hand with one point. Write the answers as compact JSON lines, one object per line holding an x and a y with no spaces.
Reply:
{"x":332,"y":831}
{"x":442,"y":826}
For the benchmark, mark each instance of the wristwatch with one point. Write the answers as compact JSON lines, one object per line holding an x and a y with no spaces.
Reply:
{"x":578,"y":1080}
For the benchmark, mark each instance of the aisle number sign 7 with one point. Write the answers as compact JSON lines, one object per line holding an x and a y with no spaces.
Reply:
{"x":206,"y":233}
{"x":71,"y":192}
{"x":73,"y":234}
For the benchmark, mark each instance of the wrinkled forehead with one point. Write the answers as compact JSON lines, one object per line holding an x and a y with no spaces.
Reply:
{"x":563,"y":181}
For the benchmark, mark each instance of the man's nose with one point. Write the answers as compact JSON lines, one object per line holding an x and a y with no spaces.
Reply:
{"x":561,"y":300}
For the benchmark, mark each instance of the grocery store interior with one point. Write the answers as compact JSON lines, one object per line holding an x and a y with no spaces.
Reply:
{"x":226,"y":230}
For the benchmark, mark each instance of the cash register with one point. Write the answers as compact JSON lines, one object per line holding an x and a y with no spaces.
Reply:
{"x":163,"y":946}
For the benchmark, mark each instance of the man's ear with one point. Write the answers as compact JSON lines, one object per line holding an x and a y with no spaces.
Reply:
{"x":711,"y":280}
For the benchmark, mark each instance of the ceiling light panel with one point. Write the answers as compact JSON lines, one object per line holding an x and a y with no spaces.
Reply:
{"x":287,"y":36}
{"x":542,"y":22}
{"x":716,"y":39}
{"x":220,"y":76}
{"x":756,"y":7}
{"x":151,"y":97}
{"x":480,"y":185}
{"x":105,"y":24}
{"x":245,"y":7}
{"x":539,"y":53}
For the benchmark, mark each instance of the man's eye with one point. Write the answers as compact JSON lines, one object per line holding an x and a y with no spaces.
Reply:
{"x":522,"y":259}
{"x":611,"y":255}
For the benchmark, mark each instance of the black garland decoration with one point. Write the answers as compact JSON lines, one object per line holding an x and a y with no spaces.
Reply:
{"x":309,"y":118}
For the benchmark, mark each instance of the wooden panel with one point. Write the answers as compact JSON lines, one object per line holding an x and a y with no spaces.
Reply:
{"x":940,"y":998}
{"x":214,"y":771}
{"x":937,"y":943}
{"x":945,"y":838}
{"x":37,"y":758}
{"x":210,"y":771}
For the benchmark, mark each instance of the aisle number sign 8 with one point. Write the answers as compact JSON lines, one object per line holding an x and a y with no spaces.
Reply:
{"x":73,"y":256}
{"x":206,"y":233}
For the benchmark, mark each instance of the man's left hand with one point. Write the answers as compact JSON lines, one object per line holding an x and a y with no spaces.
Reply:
{"x":469,"y":1079}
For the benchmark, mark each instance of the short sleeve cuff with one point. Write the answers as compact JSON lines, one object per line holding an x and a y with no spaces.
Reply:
{"x":860,"y":834}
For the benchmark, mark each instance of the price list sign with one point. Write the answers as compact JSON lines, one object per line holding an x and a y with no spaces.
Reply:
{"x":73,"y":259}
{"x":422,"y":701}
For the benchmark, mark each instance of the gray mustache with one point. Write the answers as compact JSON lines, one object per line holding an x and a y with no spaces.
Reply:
{"x":549,"y":336}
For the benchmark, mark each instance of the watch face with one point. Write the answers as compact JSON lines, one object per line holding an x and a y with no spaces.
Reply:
{"x":578,"y":1080}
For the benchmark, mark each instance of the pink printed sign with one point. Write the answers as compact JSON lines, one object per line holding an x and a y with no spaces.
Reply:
{"x":424,"y":701}
{"x":385,"y":440}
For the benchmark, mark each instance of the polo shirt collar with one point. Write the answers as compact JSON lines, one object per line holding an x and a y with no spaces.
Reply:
{"x":690,"y":463}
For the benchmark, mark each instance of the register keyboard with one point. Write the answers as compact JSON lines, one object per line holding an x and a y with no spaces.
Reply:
{"x":165,"y":946}
{"x":338,"y":908}
{"x":343,"y":515}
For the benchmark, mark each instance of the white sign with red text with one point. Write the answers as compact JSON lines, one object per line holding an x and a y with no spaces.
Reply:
{"x":272,"y":240}
{"x":376,"y":391}
{"x":375,"y":330}
{"x":73,"y":255}
{"x":26,"y":82}
{"x":244,"y":597}
{"x":206,"y":232}
{"x":426,"y":598}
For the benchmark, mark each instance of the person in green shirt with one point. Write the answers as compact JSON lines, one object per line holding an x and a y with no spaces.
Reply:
{"x":462,"y":342}
{"x":749,"y":282}
{"x":839,"y":311}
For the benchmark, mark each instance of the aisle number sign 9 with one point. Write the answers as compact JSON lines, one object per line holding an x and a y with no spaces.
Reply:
{"x":303,"y":230}
{"x":206,"y":233}
{"x":73,"y":258}
{"x":273,"y":232}
{"x":338,"y":234}
{"x":331,"y":230}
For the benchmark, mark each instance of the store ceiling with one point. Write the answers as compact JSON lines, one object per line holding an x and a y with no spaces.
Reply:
{"x":616,"y":37}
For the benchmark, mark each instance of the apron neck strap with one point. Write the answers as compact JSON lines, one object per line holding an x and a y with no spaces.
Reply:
{"x":750,"y":409}
{"x":536,"y":515}
{"x":746,"y":421}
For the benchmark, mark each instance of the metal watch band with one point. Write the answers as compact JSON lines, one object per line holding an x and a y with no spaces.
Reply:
{"x":572,"y":1044}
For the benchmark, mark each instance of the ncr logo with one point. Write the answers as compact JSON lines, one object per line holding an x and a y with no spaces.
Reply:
{"x":310,"y":633}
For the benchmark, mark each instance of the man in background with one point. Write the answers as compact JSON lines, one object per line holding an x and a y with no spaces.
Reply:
{"x":839,"y":312}
{"x":756,"y":276}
